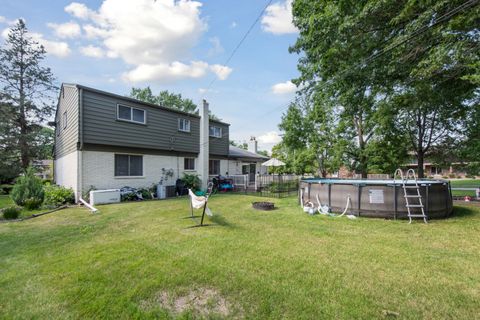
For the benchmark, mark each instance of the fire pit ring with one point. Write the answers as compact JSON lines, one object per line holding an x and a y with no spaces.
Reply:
{"x":263,"y":205}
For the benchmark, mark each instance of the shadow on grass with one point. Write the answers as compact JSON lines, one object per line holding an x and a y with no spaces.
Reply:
{"x":464,"y":211}
{"x":221,"y":221}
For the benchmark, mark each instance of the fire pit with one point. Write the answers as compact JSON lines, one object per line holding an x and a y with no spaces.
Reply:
{"x":263,"y":205}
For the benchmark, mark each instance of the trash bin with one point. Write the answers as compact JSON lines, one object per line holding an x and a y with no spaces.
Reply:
{"x":161,"y":193}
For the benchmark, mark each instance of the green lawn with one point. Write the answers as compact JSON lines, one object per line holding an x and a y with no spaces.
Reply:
{"x":6,"y":201}
{"x":464,"y":183}
{"x":139,"y":260}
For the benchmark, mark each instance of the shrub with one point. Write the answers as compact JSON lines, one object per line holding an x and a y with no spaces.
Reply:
{"x":32,"y":203}
{"x":192,"y":181}
{"x":131,"y":196}
{"x":145,"y":192}
{"x":6,"y":188}
{"x":58,"y":195}
{"x":28,"y":187}
{"x":11,"y":212}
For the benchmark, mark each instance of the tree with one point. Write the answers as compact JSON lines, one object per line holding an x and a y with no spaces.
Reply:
{"x":26,"y":94}
{"x":43,"y":144}
{"x":242,"y":145}
{"x":309,"y":137}
{"x":167,"y":99}
{"x":435,"y":72}
{"x":417,"y":58}
{"x":332,"y":70}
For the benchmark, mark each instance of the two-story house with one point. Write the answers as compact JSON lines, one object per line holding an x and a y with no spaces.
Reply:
{"x":108,"y":141}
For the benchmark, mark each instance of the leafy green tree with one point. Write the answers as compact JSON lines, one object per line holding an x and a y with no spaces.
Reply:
{"x":419,"y":58}
{"x":435,"y":73}
{"x":310,"y":137}
{"x":167,"y":99}
{"x":26,"y":95}
{"x":242,"y":145}
{"x":333,"y":47}
{"x":44,"y":143}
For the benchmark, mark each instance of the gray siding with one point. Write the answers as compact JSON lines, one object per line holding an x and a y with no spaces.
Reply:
{"x":66,"y":138}
{"x":219,"y":146}
{"x":101,"y":127}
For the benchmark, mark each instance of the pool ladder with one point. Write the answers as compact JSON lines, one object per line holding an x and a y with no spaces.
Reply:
{"x":411,"y":197}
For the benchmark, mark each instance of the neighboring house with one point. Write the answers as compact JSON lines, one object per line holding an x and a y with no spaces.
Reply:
{"x":105,"y":140}
{"x":43,"y":169}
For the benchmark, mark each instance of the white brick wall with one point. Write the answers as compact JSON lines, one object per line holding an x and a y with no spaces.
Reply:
{"x":98,"y":170}
{"x":66,"y":170}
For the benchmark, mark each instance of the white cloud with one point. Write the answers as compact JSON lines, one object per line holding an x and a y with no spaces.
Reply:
{"x":268,"y":140}
{"x":216,"y":46}
{"x":93,"y":32}
{"x":164,"y":72}
{"x":154,"y":37}
{"x":284,"y":87}
{"x":4,"y":20}
{"x":65,"y":30}
{"x":55,"y":48}
{"x":92,"y":51}
{"x":80,"y":10}
{"x":278,"y":18}
{"x":222,"y":72}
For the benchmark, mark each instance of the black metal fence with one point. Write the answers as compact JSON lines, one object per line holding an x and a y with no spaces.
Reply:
{"x":276,"y":186}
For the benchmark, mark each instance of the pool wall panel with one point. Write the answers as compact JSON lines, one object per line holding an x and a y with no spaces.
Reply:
{"x":436,"y":198}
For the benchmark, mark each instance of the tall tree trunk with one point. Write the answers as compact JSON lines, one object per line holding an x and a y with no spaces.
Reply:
{"x":22,"y":141}
{"x":420,"y":162}
{"x":361,"y":146}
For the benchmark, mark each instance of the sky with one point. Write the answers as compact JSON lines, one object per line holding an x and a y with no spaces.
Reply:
{"x":181,"y":46}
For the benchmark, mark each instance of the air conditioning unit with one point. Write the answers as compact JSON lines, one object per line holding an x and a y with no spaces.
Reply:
{"x":104,"y":196}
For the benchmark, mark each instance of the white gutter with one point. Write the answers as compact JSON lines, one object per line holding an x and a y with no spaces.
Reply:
{"x":86,"y":204}
{"x":80,"y":151}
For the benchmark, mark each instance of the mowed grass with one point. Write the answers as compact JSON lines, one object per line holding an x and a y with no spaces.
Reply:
{"x":6,"y":201}
{"x":464,"y":183}
{"x":281,"y":264}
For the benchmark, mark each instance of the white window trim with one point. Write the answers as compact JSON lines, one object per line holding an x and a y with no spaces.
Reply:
{"x":185,"y":121}
{"x":131,"y":114}
{"x":129,"y":177}
{"x":214,"y":136}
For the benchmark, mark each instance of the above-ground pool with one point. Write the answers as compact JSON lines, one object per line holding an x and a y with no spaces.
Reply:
{"x":378,"y":198}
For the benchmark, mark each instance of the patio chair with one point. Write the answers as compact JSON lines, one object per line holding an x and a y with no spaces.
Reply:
{"x":200,"y":202}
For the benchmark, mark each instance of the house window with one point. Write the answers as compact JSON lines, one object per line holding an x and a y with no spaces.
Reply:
{"x":184,"y":125}
{"x":131,"y":114}
{"x":214,"y":167}
{"x":65,"y":120}
{"x":189,"y":164}
{"x":57,"y":128}
{"x":215,"y":132}
{"x":128,"y":165}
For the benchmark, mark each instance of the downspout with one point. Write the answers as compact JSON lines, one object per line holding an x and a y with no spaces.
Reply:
{"x":80,"y":136}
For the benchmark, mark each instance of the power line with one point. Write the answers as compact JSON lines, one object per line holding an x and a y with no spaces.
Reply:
{"x":240,"y":42}
{"x":443,"y":18}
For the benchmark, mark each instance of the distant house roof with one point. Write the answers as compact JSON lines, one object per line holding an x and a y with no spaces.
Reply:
{"x":239,"y":153}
